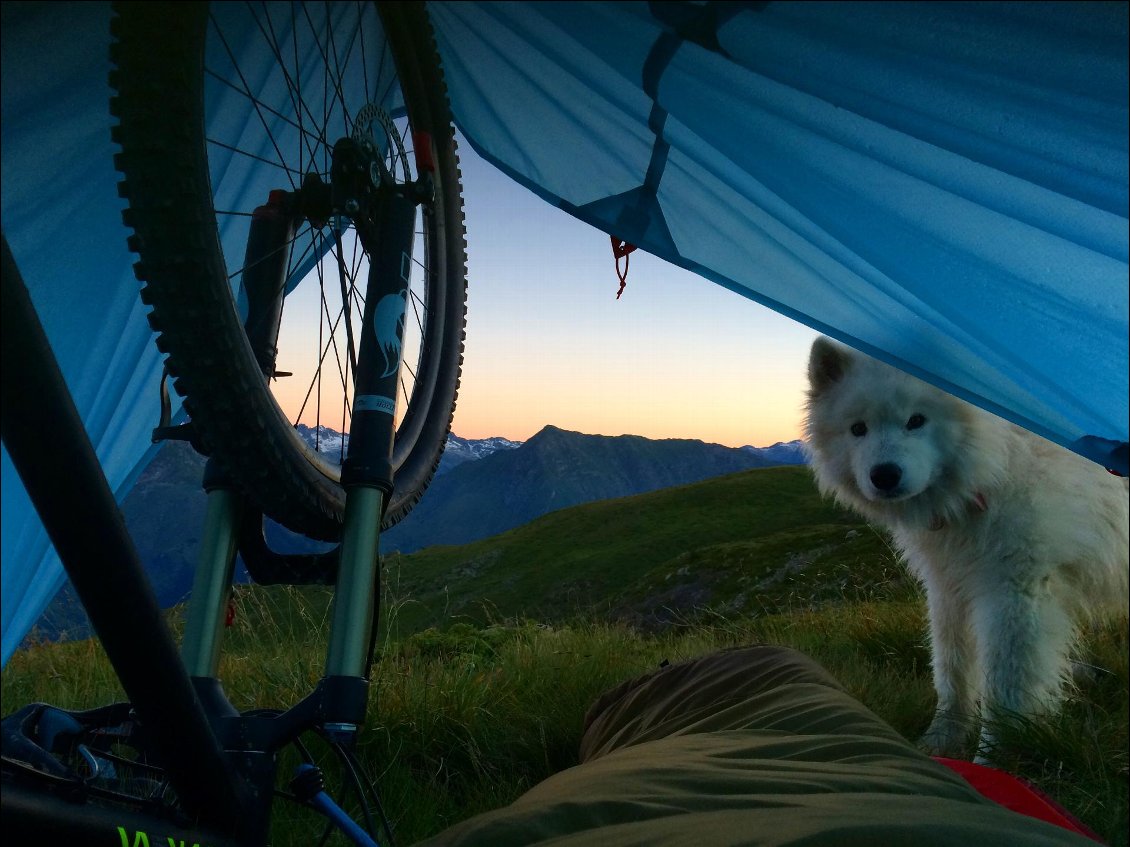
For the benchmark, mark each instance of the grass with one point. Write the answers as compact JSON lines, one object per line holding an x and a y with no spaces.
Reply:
{"x":570,"y":561}
{"x":465,"y":718}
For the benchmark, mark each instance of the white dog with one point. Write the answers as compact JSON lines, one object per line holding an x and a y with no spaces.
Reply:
{"x":1015,"y":539}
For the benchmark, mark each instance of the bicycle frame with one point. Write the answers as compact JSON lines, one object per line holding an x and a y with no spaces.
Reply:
{"x":81,"y":517}
{"x":221,"y":764}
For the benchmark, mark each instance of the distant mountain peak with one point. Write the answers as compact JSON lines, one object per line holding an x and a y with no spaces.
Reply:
{"x":551,"y":431}
{"x":459,"y":451}
{"x":557,"y":468}
{"x":783,"y":452}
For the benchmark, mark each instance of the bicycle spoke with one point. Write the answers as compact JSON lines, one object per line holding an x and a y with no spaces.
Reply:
{"x":274,"y":112}
{"x":381,"y":65}
{"x":324,"y":348}
{"x":333,"y":337}
{"x":292,"y":88}
{"x":242,"y":79}
{"x":416,"y":311}
{"x":339,"y":63}
{"x":355,"y":261}
{"x":297,"y":88}
{"x":285,"y":246}
{"x":339,"y":95}
{"x":290,"y":172}
{"x":364,"y":64}
{"x":387,"y":92}
{"x":345,"y":301}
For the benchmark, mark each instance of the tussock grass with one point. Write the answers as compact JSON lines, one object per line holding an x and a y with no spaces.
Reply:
{"x":70,"y":675}
{"x":466,"y":717}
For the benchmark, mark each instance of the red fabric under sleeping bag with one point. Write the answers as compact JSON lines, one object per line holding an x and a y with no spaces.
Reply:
{"x":1016,"y":794}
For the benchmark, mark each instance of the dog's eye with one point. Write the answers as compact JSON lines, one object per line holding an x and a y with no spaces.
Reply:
{"x":859,"y":429}
{"x":915,"y":421}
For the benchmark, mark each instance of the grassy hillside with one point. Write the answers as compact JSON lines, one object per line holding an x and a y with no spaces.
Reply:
{"x":739,"y":543}
{"x":493,"y":651}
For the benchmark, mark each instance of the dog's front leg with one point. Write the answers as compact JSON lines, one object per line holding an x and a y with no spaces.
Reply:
{"x":954,"y":665}
{"x":1024,"y":638}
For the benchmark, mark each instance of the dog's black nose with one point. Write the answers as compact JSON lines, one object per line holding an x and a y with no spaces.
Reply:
{"x":886,"y":476}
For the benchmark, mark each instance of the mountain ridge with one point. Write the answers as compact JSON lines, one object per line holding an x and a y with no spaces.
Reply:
{"x":556,"y":468}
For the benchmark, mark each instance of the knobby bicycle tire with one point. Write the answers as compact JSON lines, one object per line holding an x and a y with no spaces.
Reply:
{"x":158,"y":57}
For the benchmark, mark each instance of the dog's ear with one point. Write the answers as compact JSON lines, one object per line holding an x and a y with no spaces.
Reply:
{"x":827,"y":364}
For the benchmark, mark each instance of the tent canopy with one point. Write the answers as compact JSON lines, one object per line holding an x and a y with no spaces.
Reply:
{"x":941,"y":185}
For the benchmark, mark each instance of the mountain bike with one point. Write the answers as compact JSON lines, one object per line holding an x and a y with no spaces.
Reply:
{"x":334,"y":119}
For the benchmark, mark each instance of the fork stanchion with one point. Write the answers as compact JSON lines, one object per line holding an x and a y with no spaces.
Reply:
{"x":356,"y":589}
{"x":211,"y":585}
{"x":264,"y":281}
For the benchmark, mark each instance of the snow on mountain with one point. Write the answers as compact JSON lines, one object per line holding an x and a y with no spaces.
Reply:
{"x":460,"y":450}
{"x":782,"y":453}
{"x":328,"y":442}
{"x":333,"y":445}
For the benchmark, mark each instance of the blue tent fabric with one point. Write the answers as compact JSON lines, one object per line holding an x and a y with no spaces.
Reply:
{"x":62,"y":217}
{"x":942,"y":185}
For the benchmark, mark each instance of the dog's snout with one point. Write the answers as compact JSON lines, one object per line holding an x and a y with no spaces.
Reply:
{"x":886,"y":476}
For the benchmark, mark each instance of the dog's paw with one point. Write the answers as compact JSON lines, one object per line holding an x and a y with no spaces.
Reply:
{"x":946,"y":736}
{"x":998,"y":751}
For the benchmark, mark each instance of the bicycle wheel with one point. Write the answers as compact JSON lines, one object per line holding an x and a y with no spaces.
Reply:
{"x":276,"y":85}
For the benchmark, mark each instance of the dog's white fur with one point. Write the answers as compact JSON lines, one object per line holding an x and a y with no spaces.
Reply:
{"x":1015,"y":539}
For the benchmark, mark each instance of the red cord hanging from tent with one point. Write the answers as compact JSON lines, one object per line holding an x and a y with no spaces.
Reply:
{"x":620,"y":250}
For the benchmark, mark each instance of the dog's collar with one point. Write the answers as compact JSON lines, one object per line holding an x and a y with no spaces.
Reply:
{"x":977,"y":503}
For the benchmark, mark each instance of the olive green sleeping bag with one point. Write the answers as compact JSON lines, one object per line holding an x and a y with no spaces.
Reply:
{"x":752,"y":746}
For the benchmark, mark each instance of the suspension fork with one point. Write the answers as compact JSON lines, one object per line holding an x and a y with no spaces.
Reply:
{"x":367,"y":474}
{"x":340,"y":700}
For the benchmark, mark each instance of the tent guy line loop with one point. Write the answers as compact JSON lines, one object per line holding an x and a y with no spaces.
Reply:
{"x":621,"y":250}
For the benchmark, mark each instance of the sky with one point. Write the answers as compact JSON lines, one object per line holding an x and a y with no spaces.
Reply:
{"x":677,"y":356}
